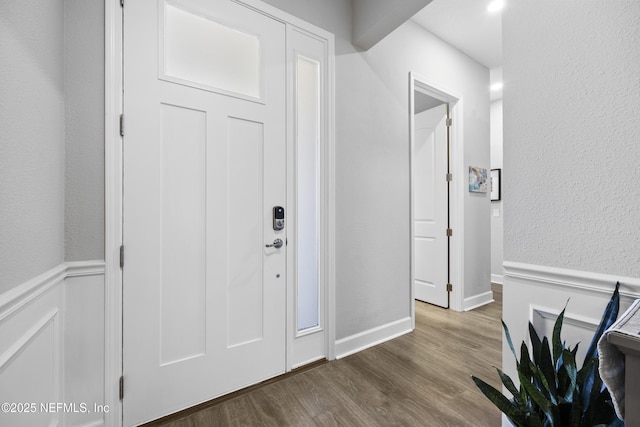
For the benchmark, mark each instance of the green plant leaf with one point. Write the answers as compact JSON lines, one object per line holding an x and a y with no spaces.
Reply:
{"x":505,"y":405}
{"x":593,"y":395}
{"x":543,"y":384}
{"x":533,"y":420}
{"x":616,"y":423}
{"x":508,"y":337}
{"x":536,"y":344}
{"x":509,"y":385}
{"x":576,"y":414}
{"x":525,"y":362}
{"x":569,"y":365}
{"x":538,"y":398}
{"x":608,"y":318}
{"x":547,"y":368}
{"x":602,"y":409}
{"x":555,"y":338}
{"x":586,"y":380}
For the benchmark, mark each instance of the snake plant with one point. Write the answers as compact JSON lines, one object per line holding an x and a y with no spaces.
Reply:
{"x":552,"y":391}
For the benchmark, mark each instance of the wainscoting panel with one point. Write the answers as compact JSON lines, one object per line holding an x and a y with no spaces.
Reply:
{"x":539,"y":293}
{"x":51,"y":348}
{"x":84,"y":346}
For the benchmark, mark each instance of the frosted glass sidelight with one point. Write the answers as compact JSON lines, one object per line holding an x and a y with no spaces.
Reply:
{"x":206,"y":53}
{"x":307,"y":142}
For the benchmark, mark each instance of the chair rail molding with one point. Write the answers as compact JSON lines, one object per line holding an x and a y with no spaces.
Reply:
{"x":567,"y":278}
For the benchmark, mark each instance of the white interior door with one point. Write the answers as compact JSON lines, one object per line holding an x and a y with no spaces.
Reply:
{"x":430,"y":206}
{"x":204,"y":165}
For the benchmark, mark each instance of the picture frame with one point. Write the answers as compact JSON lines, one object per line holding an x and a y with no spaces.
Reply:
{"x":496,"y":185}
{"x":477,"y":180}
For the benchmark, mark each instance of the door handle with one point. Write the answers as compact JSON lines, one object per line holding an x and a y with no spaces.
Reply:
{"x":276,"y":244}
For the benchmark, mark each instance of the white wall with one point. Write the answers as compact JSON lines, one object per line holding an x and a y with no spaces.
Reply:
{"x":51,"y":208}
{"x":375,"y":19}
{"x":84,"y":129}
{"x":497,"y":234}
{"x":372,"y":160}
{"x":372,"y":177}
{"x":31,"y":139}
{"x":571,"y":130}
{"x":52,"y":136}
{"x":571,"y":154}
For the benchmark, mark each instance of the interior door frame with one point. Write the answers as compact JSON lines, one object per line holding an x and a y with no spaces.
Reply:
{"x":113,"y":326}
{"x":456,"y":202}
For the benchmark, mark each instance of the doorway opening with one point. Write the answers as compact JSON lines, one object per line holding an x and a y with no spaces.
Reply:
{"x":431,"y":193}
{"x":436,"y":195}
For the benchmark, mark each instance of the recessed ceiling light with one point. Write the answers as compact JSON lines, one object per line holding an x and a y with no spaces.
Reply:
{"x":496,"y":86}
{"x":495,"y":6}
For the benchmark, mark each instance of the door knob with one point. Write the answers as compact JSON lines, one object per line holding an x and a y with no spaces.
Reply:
{"x":276,"y":244}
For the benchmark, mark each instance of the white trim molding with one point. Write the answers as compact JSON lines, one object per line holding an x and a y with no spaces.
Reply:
{"x":372,"y":337}
{"x":17,"y":297}
{"x":574,"y":279}
{"x":456,"y":206}
{"x":478,"y":300}
{"x":497,"y":278}
{"x":113,"y":187}
{"x":52,"y":330}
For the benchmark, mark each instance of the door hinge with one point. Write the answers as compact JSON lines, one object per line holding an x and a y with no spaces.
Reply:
{"x":121,"y":124}
{"x":449,"y":232}
{"x":449,"y":287}
{"x":121,"y":387}
{"x":449,"y":122}
{"x":449,"y":177}
{"x":121,"y":256}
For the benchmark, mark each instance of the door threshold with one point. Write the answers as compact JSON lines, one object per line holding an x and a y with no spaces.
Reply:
{"x":201,"y":406}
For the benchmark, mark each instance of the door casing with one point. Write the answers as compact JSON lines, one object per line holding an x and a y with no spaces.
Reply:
{"x":114,"y":197}
{"x":456,"y":203}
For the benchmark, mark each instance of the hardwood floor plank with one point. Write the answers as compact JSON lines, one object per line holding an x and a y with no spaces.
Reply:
{"x":419,"y":379}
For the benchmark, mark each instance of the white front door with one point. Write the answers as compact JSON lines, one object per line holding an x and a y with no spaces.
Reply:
{"x":204,"y":165}
{"x":430,"y":206}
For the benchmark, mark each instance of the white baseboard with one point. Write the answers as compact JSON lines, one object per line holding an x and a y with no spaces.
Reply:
{"x":478,"y":300}
{"x":497,"y":278}
{"x":52,"y":331}
{"x":363,"y":340}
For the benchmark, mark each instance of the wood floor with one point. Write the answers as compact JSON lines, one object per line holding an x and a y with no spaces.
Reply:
{"x":419,"y":379}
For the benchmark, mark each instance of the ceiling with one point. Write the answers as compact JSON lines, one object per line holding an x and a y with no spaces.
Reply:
{"x":466,"y":25}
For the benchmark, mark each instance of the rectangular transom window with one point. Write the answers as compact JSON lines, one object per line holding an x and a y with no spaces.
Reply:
{"x":203,"y":53}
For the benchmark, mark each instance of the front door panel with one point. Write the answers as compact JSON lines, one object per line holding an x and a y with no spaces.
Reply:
{"x":204,"y":164}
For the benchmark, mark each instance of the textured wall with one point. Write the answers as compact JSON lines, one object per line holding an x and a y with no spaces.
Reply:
{"x":84,"y":128}
{"x":497,"y":223}
{"x":31,"y":139}
{"x":572,"y":134}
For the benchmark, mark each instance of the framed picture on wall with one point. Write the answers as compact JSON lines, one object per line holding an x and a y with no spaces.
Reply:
{"x":477,"y":180}
{"x":496,"y":193}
